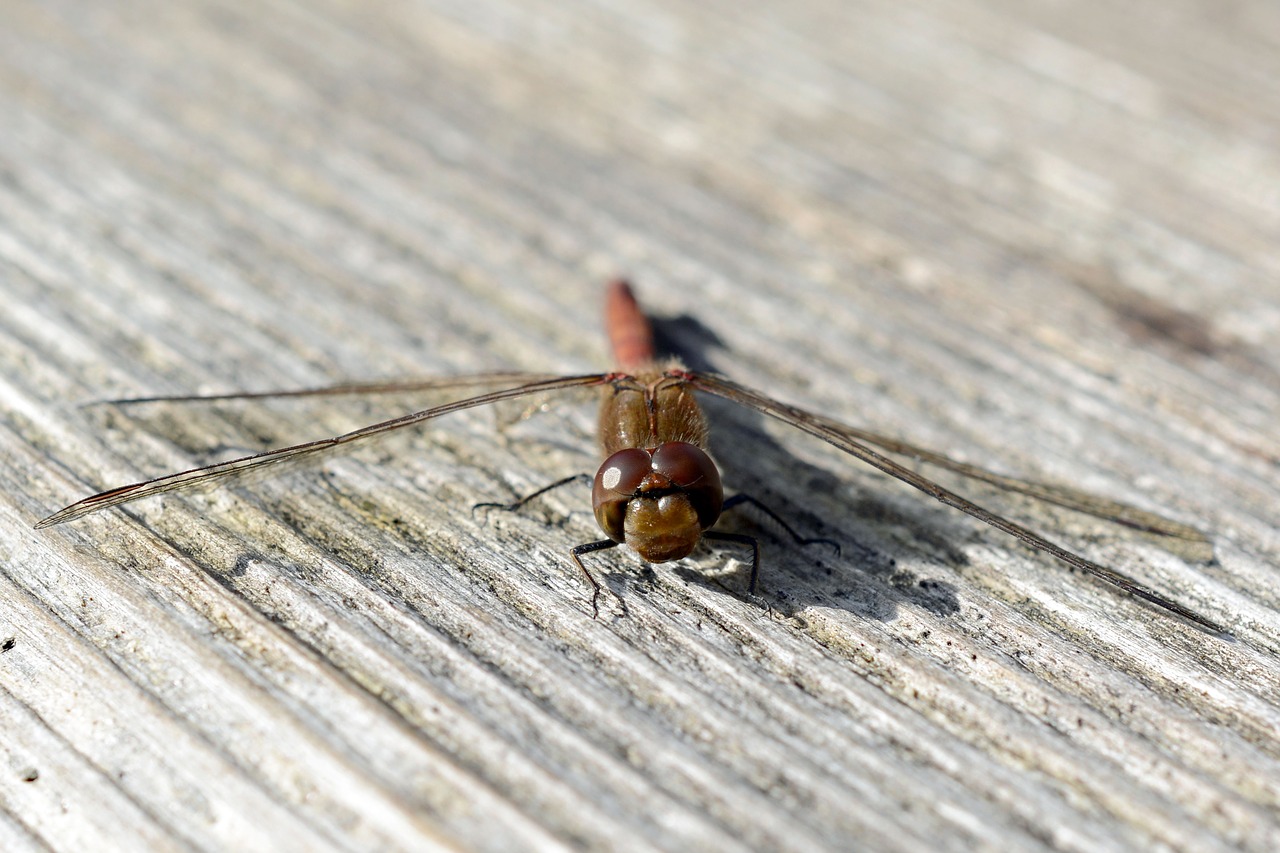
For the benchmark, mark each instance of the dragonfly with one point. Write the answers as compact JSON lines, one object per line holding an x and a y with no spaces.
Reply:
{"x":658,"y":490}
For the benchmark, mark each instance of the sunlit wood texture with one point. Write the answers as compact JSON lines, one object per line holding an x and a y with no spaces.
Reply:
{"x":1040,"y":236}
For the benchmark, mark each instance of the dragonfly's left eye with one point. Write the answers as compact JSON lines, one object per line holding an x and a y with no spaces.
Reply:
{"x":691,"y":469}
{"x":684,"y":464}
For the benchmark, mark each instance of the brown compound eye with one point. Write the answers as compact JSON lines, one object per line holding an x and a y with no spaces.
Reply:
{"x":616,"y":482}
{"x":690,"y":468}
{"x":684,"y":464}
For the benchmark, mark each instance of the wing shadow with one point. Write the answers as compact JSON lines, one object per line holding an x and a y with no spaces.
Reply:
{"x":866,"y":578}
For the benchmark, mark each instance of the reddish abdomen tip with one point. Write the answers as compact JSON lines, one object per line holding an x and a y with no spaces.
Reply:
{"x":629,"y":330}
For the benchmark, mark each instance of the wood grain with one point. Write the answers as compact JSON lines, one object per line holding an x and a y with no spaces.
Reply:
{"x":1039,"y":236}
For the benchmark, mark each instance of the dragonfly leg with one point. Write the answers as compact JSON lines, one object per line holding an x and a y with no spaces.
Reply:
{"x":512,"y":507}
{"x":745,"y":540}
{"x":590,"y":548}
{"x":740,"y":499}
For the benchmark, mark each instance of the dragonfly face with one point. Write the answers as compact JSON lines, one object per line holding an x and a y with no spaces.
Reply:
{"x":658,"y":501}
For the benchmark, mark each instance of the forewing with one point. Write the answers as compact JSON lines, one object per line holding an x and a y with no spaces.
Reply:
{"x":436,"y":383}
{"x":220,"y":470}
{"x":1064,"y":496}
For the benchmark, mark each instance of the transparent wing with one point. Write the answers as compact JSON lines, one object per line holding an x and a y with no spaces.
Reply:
{"x":208,"y":473}
{"x":438,"y":383}
{"x":854,"y":442}
{"x":1064,"y":496}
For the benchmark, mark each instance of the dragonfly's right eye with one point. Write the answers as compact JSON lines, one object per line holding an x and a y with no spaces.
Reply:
{"x":616,"y":483}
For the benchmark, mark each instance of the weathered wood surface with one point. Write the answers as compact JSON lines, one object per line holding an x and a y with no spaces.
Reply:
{"x":1041,"y":236}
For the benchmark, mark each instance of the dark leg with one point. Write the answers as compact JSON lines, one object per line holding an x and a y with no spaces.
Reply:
{"x":745,"y":540}
{"x":740,"y":499}
{"x":512,"y":507}
{"x":590,"y":548}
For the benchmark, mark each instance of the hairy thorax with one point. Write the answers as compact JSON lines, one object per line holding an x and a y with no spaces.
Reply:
{"x":648,"y":408}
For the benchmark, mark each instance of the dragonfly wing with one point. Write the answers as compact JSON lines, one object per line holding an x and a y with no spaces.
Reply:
{"x":220,"y":470}
{"x":847,"y":439}
{"x":437,"y":383}
{"x":1064,"y":496}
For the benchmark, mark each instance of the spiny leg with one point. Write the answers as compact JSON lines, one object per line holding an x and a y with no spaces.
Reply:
{"x":741,"y":498}
{"x":512,"y":507}
{"x":590,"y":548}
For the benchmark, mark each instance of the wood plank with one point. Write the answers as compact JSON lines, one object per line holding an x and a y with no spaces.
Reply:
{"x":1039,"y":237}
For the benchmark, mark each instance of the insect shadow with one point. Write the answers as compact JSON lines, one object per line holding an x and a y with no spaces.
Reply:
{"x":864,"y":577}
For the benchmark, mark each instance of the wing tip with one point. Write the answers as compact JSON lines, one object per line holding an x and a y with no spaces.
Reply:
{"x":50,"y":520}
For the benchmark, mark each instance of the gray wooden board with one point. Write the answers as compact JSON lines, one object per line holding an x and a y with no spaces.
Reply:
{"x":1039,"y":236}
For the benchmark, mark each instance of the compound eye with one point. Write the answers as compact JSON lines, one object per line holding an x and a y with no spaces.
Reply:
{"x":684,"y":464}
{"x":622,"y":472}
{"x":616,"y":482}
{"x":691,"y":469}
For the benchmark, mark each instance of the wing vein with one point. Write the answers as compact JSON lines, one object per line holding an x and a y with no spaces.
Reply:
{"x":218,"y":470}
